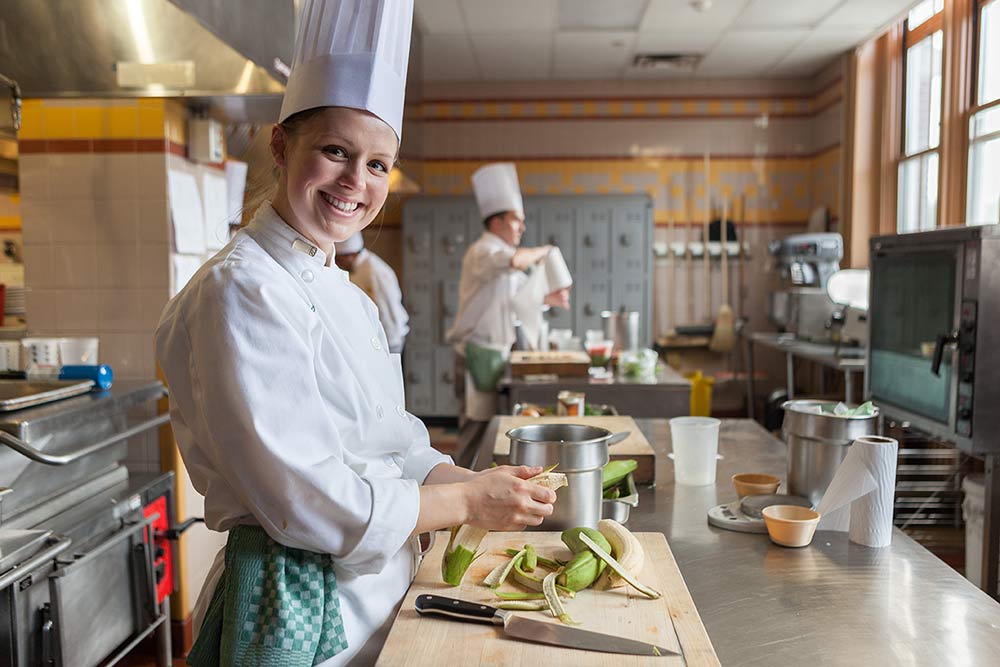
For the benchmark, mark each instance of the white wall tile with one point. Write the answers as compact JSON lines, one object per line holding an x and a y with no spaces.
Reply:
{"x":38,"y":271}
{"x":72,"y":221}
{"x":119,"y":310}
{"x":33,"y":175}
{"x":154,"y":221}
{"x":40,"y":306}
{"x":152,"y":176}
{"x":119,"y":177}
{"x":35,"y":220}
{"x":117,"y":220}
{"x":153,"y":302}
{"x":118,"y":265}
{"x":74,"y":266}
{"x":76,"y":311}
{"x":71,"y":176}
{"x":154,"y":265}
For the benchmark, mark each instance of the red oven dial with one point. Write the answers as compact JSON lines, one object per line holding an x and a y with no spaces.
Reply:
{"x":162,"y":555}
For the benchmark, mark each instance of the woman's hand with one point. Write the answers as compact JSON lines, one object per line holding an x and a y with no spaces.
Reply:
{"x":501,"y":498}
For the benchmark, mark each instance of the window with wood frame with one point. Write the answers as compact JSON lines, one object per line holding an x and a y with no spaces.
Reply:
{"x":984,"y":122}
{"x":923,"y":43}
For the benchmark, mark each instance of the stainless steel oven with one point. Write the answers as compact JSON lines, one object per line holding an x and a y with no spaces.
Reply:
{"x":934,"y":337}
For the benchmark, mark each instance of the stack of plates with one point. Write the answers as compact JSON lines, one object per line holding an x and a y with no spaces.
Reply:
{"x":14,"y":301}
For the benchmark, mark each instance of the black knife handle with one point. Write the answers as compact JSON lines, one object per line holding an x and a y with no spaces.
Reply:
{"x":460,"y":609}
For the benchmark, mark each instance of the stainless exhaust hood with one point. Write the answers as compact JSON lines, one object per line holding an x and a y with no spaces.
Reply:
{"x":232,"y":55}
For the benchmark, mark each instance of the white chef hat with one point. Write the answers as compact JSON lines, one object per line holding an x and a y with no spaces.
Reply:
{"x":497,"y":190}
{"x":351,"y":53}
{"x":352,"y":245}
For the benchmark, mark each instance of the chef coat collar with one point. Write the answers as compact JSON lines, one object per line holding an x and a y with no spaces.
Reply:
{"x":284,"y":235}
{"x":493,"y":239}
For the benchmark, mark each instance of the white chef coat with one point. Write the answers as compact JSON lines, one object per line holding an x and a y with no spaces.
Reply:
{"x":371,"y":273}
{"x":486,"y":291}
{"x":289,"y":412}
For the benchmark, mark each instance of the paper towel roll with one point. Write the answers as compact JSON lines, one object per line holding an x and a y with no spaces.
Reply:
{"x":859,"y":500}
{"x":556,"y":271}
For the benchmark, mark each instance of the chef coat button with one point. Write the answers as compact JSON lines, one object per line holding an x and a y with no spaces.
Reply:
{"x":389,"y":460}
{"x":400,"y":411}
{"x":307,"y":276}
{"x":375,"y":343}
{"x":379,"y":411}
{"x":347,"y":277}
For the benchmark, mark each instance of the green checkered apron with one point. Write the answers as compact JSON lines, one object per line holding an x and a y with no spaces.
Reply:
{"x":273,"y":606}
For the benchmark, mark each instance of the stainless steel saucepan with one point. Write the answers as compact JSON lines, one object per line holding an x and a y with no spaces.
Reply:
{"x":578,"y":451}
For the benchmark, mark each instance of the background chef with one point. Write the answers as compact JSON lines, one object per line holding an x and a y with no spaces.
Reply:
{"x":285,"y":400}
{"x":492,"y":276}
{"x":371,"y":273}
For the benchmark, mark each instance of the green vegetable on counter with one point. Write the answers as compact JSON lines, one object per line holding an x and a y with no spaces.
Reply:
{"x":617,"y":470}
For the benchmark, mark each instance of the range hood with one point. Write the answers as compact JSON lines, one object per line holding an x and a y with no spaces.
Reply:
{"x":232,"y":55}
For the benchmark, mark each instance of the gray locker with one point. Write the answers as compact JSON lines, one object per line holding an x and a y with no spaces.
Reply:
{"x":419,"y":379}
{"x":607,"y":243}
{"x":445,"y":402}
{"x":419,"y":275}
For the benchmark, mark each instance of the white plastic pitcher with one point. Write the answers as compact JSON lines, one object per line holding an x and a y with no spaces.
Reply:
{"x":696,"y":444}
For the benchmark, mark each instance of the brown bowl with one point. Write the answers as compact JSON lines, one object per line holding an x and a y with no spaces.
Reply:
{"x":790,"y":525}
{"x":754,"y":484}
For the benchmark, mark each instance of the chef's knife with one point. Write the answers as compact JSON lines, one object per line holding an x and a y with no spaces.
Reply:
{"x":517,"y":627}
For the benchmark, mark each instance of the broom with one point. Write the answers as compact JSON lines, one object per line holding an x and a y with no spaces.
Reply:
{"x":723,"y":338}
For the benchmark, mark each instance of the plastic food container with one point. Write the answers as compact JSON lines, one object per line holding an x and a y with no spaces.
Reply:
{"x":753,"y":484}
{"x":695,"y":442}
{"x":790,"y":525}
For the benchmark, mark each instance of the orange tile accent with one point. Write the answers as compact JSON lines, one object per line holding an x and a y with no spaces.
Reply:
{"x":57,"y":122}
{"x":90,"y":122}
{"x":152,"y":122}
{"x":123,"y":122}
{"x":31,"y":120}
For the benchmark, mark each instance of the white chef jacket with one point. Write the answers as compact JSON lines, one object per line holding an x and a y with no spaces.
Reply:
{"x":485,"y":295}
{"x":288,"y":410}
{"x":371,"y":273}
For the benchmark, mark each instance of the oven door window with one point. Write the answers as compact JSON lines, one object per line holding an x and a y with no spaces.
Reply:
{"x":913,"y":302}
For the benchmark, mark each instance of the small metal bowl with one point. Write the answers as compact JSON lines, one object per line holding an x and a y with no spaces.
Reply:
{"x":618,"y":509}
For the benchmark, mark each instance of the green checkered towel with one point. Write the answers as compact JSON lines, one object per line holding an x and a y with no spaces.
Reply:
{"x":273,"y":606}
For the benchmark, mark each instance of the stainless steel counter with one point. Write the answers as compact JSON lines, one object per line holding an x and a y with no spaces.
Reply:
{"x":831,"y":603}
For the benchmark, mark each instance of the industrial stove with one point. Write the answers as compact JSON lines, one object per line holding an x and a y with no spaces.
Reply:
{"x":86,"y":563}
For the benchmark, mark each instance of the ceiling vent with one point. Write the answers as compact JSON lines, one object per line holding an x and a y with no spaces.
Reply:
{"x":666,"y":62}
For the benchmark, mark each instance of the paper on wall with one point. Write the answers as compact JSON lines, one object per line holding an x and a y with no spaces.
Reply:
{"x":215,"y":197}
{"x":860,"y":498}
{"x":184,"y":268}
{"x":236,"y":185}
{"x":186,"y":212}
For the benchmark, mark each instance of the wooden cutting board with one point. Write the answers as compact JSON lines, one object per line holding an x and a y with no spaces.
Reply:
{"x":566,"y":363}
{"x":633,"y":447}
{"x":671,"y":621}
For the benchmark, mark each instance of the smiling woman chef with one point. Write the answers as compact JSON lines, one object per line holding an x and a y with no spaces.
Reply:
{"x":285,"y":401}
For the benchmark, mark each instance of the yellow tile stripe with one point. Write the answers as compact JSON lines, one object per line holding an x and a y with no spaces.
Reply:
{"x":93,"y":119}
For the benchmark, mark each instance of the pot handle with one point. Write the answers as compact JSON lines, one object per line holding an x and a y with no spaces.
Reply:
{"x":618,"y":437}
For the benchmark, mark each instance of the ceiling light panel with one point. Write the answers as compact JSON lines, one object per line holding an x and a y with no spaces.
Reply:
{"x":782,"y":13}
{"x":514,"y":56}
{"x":869,"y":14}
{"x":600,"y":14}
{"x":675,"y":42}
{"x":438,"y":16}
{"x":449,"y":58}
{"x":593,"y":55}
{"x":680,"y":15}
{"x":509,"y":15}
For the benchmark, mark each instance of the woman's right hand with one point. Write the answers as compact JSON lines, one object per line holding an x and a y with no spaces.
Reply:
{"x":501,"y":498}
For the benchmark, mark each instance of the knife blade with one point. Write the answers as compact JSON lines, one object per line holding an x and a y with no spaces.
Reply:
{"x":539,"y":632}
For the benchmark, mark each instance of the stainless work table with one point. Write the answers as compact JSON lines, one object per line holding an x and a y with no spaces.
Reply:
{"x":793,"y":348}
{"x":666,"y":395}
{"x":831,"y":603}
